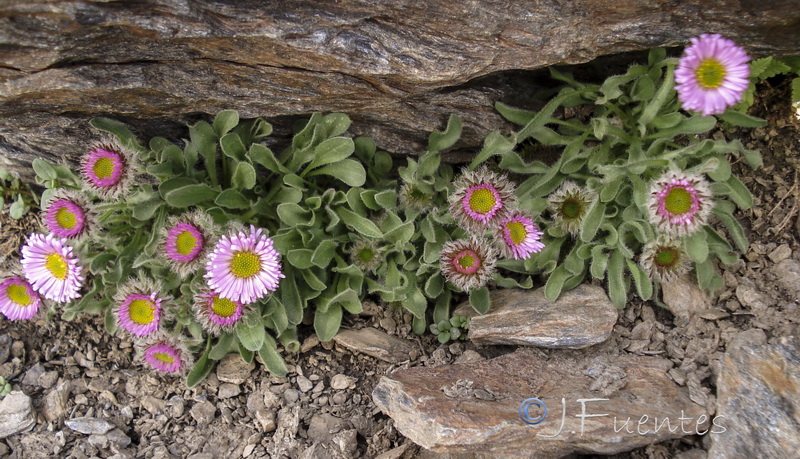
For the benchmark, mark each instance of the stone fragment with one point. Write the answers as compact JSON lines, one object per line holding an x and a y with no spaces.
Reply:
{"x":394,"y":453}
{"x":376,"y":343}
{"x":342,"y":382}
{"x":309,"y":343}
{"x":228,"y":390}
{"x":48,"y":379}
{"x":153,"y":405}
{"x":323,"y":425}
{"x":579,"y":318}
{"x":347,"y":442}
{"x":304,"y":384}
{"x":203,"y":412}
{"x":118,"y":438}
{"x":684,"y":298}
{"x":232,"y":369}
{"x":89,"y":425}
{"x":757,"y":401}
{"x":31,"y":377}
{"x":16,"y":414}
{"x":415,"y":398}
{"x":780,"y":253}
{"x":5,"y":348}
{"x":263,"y":415}
{"x":750,"y":297}
{"x":54,"y":407}
{"x":787,"y":276}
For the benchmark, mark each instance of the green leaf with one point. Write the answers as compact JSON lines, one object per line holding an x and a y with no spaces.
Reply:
{"x":201,"y":369}
{"x":415,"y":302}
{"x":359,"y":223}
{"x":768,"y":67}
{"x":741,"y":119}
{"x":145,"y":210}
{"x":335,"y":124}
{"x":18,"y":209}
{"x":116,"y":128}
{"x":244,"y":176}
{"x":44,"y":169}
{"x":479,"y":300}
{"x":233,"y":147}
{"x":494,"y":144}
{"x":292,"y":214}
{"x":348,"y":171}
{"x":697,"y":246}
{"x":796,"y":90}
{"x":324,"y":253}
{"x":644,"y":286}
{"x":654,"y":106}
{"x":225,"y":121}
{"x":739,"y":193}
{"x":251,"y":337}
{"x":555,"y":283}
{"x":262,"y":155}
{"x":438,"y":140}
{"x":616,"y":280}
{"x":204,"y":140}
{"x":190,"y":195}
{"x":735,"y":229}
{"x":300,"y":258}
{"x":592,"y":221}
{"x":327,"y":323}
{"x":272,"y":360}
{"x":332,"y":151}
{"x":226,"y":343}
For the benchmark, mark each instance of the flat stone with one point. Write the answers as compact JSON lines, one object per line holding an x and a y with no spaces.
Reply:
{"x":89,"y":425}
{"x":304,"y":384}
{"x":475,"y":408}
{"x":393,"y":453}
{"x":55,"y":403}
{"x":342,"y":382}
{"x":153,"y":405}
{"x":5,"y":348}
{"x":684,"y":298}
{"x":376,"y":343}
{"x":16,"y":414}
{"x":203,"y":412}
{"x":31,"y":377}
{"x":581,"y":317}
{"x":780,"y":253}
{"x":787,"y":276}
{"x":228,"y":390}
{"x":232,"y":369}
{"x":118,"y":438}
{"x":757,"y":400}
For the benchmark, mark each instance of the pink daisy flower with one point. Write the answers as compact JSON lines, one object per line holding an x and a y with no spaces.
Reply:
{"x":51,"y":268}
{"x":244,"y":266}
{"x":107,"y":169}
{"x":521,"y":237}
{"x":217,"y":314}
{"x":139,"y":307}
{"x":186,"y":240}
{"x":68,"y":214}
{"x":679,"y":203}
{"x":481,"y":198}
{"x":166,"y":357}
{"x":712,"y":75}
{"x":467,"y":263}
{"x":18,"y":300}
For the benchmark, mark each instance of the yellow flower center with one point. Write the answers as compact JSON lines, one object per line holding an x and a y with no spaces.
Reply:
{"x":66,"y":219}
{"x":678,"y":201}
{"x":517,"y":232}
{"x":185,"y":243}
{"x":164,"y":357}
{"x":245,"y":264}
{"x":103,"y":168}
{"x":18,"y":294}
{"x":482,"y":201}
{"x":571,"y":209}
{"x":667,"y":257}
{"x":57,"y":266}
{"x":710,"y":74}
{"x":466,"y":261}
{"x":223,"y":307}
{"x":142,"y":311}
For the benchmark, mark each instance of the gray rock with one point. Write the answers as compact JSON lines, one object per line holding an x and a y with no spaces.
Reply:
{"x":342,"y":382}
{"x":376,"y":343}
{"x":581,"y":317}
{"x":98,"y":441}
{"x":684,"y":299}
{"x":347,"y":442}
{"x":780,"y":253}
{"x":323,"y":425}
{"x":118,"y":438}
{"x":304,"y":384}
{"x":787,"y":275}
{"x":31,"y":377}
{"x":264,"y":415}
{"x":463,"y":422}
{"x":394,"y":453}
{"x":203,"y":412}
{"x":89,"y":425}
{"x":5,"y":348}
{"x":16,"y":414}
{"x":153,"y":405}
{"x":757,"y":401}
{"x":48,"y":379}
{"x":228,"y":390}
{"x":232,"y":369}
{"x":54,"y":407}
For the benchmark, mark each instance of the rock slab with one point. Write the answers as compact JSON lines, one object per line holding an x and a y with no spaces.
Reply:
{"x":475,"y":408}
{"x":581,"y":317}
{"x":16,"y":414}
{"x":758,"y":401}
{"x":376,"y":343}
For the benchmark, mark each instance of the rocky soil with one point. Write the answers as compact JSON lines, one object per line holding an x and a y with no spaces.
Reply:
{"x":80,"y":393}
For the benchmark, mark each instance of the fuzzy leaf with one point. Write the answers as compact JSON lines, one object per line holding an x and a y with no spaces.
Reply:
{"x":116,"y":128}
{"x":327,"y":323}
{"x":262,"y":155}
{"x":300,"y":258}
{"x":251,"y":336}
{"x":592,"y":221}
{"x":232,"y":146}
{"x":44,"y":169}
{"x":741,"y":119}
{"x":696,"y":246}
{"x":225,"y":121}
{"x":190,"y":195}
{"x":201,"y":368}
{"x":616,"y":280}
{"x":359,"y":223}
{"x":244,"y":176}
{"x":331,"y":151}
{"x":479,"y":300}
{"x":232,"y":199}
{"x":272,"y":360}
{"x":796,"y":90}
{"x":348,"y":171}
{"x":555,"y":283}
{"x":644,"y":286}
{"x":440,"y":140}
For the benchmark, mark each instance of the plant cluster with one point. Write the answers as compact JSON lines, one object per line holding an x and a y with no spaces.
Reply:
{"x":221,"y":245}
{"x":19,"y":194}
